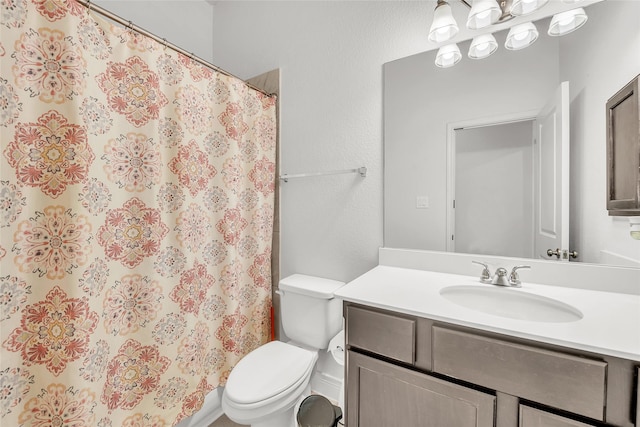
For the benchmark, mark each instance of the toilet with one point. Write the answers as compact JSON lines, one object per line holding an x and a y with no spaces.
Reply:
{"x":267,"y":385}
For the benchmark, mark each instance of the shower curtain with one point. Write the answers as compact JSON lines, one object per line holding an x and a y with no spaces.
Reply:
{"x":136,"y":217}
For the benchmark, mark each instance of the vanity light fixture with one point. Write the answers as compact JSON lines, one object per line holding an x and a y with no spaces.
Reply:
{"x":521,"y":36}
{"x":566,"y":22}
{"x":448,"y":56}
{"x":443,"y":27}
{"x":485,"y":13}
{"x":482,"y":46}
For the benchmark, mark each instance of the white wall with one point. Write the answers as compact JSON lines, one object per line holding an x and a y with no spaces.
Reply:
{"x":607,"y":58}
{"x":330,"y":54}
{"x":187,"y":24}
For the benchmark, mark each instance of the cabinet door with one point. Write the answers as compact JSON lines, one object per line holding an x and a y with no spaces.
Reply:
{"x":638,"y":398}
{"x":623,"y":148}
{"x":380,"y":394}
{"x":530,"y":417}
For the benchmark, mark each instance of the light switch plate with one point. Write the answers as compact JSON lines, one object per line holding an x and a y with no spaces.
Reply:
{"x":422,"y":202}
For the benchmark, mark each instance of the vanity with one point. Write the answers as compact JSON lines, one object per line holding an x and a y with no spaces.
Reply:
{"x":421,"y":353}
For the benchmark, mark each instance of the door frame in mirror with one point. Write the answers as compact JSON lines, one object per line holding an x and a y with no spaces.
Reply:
{"x":502,"y":119}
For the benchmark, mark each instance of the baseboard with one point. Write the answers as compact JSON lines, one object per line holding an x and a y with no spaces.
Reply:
{"x":326,"y":385}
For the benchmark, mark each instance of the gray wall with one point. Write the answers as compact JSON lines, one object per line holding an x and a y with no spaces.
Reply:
{"x":494,"y":190}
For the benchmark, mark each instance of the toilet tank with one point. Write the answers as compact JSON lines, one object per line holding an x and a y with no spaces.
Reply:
{"x":310,"y":314}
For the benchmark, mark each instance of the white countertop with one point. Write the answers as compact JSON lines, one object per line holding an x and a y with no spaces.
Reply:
{"x":610,"y":324}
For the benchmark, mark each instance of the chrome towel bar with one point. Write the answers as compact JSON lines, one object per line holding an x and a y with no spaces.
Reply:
{"x":362,"y":171}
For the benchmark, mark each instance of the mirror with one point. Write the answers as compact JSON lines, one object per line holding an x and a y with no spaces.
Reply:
{"x":423,"y":102}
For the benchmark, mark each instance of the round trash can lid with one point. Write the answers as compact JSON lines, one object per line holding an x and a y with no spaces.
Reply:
{"x":316,"y":411}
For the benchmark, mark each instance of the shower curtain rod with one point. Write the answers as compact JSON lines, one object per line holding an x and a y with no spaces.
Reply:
{"x":128,"y":24}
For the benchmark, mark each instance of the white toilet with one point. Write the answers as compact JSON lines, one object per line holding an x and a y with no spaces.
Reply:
{"x":267,"y":384}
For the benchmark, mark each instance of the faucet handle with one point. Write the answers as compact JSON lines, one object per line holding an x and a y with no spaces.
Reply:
{"x":514,"y":279}
{"x":485,"y":276}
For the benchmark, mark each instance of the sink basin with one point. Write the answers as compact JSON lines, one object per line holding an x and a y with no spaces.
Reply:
{"x":511,"y":303}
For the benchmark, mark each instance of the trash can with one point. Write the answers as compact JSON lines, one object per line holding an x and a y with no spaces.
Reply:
{"x":317,"y":411}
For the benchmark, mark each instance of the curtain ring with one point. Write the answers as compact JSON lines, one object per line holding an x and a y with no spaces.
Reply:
{"x":164,"y":42}
{"x":88,"y":7}
{"x":130,"y":26}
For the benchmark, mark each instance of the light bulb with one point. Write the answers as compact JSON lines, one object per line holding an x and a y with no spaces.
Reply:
{"x":482,"y":46}
{"x":448,"y":56}
{"x":567,"y":21}
{"x":444,"y":26}
{"x":521,"y":36}
{"x":484,"y":14}
{"x":525,"y":7}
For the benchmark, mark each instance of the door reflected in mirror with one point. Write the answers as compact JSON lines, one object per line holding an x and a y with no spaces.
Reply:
{"x":493,"y":203}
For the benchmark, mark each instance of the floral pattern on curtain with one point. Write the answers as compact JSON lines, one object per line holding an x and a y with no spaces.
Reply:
{"x":136,"y":196}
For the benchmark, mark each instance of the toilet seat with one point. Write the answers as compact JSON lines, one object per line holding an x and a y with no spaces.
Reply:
{"x":269,"y":374}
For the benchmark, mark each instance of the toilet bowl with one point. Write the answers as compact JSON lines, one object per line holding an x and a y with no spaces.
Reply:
{"x":266,"y":386}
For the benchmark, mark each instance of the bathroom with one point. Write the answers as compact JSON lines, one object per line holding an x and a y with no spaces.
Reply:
{"x":331,"y":57}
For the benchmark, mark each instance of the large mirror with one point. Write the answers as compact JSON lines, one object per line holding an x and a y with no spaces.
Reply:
{"x":440,"y":125}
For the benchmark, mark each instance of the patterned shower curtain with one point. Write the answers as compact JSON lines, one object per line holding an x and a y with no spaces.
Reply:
{"x":136,"y":219}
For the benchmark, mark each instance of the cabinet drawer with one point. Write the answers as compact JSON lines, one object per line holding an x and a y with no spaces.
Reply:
{"x":552,"y":378}
{"x":385,"y":334}
{"x":530,"y":417}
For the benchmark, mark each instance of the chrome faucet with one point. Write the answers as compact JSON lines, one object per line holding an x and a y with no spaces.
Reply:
{"x":500,"y":277}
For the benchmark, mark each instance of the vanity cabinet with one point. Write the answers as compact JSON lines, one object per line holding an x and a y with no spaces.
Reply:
{"x":623,"y":151}
{"x":415,"y":372}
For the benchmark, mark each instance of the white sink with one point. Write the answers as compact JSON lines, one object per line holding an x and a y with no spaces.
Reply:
{"x":512,"y":303}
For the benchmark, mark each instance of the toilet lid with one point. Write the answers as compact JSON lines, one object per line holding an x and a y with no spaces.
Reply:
{"x":268,"y":371}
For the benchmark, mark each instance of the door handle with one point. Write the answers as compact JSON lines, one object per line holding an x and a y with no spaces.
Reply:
{"x":566,"y":254}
